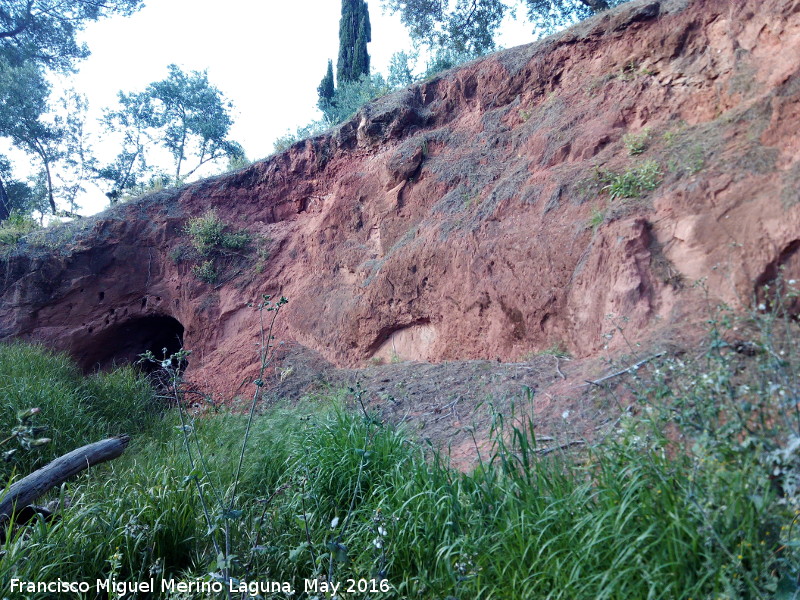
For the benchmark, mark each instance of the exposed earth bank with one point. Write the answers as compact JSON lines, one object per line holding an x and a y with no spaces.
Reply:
{"x":478,"y":215}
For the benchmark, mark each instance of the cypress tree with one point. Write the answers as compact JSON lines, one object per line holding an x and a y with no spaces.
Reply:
{"x":354,"y":35}
{"x":326,"y":89}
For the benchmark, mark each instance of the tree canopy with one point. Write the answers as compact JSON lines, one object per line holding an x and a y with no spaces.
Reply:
{"x":49,"y":138}
{"x":469,"y":26}
{"x":130,"y":120}
{"x":183,"y":113}
{"x":326,"y":88}
{"x":44,"y":31}
{"x":354,"y":84}
{"x":37,"y":36}
{"x":194,"y":116}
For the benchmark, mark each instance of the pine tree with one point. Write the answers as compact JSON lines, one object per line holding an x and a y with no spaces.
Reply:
{"x":354,"y":35}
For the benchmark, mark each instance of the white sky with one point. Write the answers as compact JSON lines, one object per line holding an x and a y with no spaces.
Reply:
{"x":266,"y":56}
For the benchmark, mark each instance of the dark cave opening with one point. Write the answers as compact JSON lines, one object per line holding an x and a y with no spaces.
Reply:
{"x":123,"y":343}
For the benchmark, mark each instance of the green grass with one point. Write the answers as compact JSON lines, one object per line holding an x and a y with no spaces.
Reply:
{"x":75,"y":409}
{"x":632,"y":183}
{"x":637,"y":143}
{"x":597,"y":218}
{"x":677,"y":502}
{"x":556,"y":349}
{"x":15,"y":227}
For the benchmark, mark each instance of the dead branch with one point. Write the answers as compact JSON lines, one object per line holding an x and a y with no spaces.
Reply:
{"x":26,"y":490}
{"x":558,"y":366}
{"x":633,"y":367}
{"x":544,"y":451}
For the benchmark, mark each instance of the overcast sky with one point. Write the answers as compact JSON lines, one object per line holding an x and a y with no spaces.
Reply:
{"x":266,"y":56}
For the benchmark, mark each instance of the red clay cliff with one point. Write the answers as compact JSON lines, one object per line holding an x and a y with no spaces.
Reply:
{"x":476,"y":215}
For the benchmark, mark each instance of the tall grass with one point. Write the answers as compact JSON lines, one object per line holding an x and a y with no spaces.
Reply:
{"x":76,"y":410}
{"x":683,"y":499}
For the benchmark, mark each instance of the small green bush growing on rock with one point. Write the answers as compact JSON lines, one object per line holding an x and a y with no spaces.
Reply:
{"x":636,"y":143}
{"x":597,"y":218}
{"x":205,"y":271}
{"x":205,"y":232}
{"x":210,"y":239}
{"x":633,"y":182}
{"x":180,"y":253}
{"x":208,"y":235}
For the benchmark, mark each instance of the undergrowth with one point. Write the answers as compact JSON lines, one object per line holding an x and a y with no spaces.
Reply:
{"x":75,"y":409}
{"x":691,"y":494}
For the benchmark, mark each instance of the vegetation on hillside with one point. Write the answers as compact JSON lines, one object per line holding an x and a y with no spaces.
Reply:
{"x":184,"y":114}
{"x":471,"y":27}
{"x":355,"y":33}
{"x":448,"y":35}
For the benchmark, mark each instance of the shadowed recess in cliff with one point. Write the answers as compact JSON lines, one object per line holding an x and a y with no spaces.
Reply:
{"x":411,"y":342}
{"x":123,"y":343}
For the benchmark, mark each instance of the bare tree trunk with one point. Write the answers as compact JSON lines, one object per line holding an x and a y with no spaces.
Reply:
{"x":49,"y":186}
{"x":5,"y":203}
{"x":29,"y":488}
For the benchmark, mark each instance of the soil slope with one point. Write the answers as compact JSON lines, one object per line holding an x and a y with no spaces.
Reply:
{"x":472,"y":216}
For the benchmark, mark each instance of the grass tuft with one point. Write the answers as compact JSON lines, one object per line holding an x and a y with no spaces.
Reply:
{"x":634,"y":182}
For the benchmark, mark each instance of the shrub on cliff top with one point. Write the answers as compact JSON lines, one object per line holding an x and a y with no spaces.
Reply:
{"x":16,"y":226}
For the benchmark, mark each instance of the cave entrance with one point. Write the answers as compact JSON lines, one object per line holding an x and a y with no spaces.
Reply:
{"x":123,"y":343}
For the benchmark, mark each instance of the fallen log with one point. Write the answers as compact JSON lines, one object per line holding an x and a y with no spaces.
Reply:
{"x":633,"y":367}
{"x":26,"y":490}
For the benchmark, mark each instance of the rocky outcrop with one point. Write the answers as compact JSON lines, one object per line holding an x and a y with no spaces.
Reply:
{"x":476,"y":215}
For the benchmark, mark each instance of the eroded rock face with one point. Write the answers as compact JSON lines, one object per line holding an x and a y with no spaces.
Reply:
{"x":470,"y":216}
